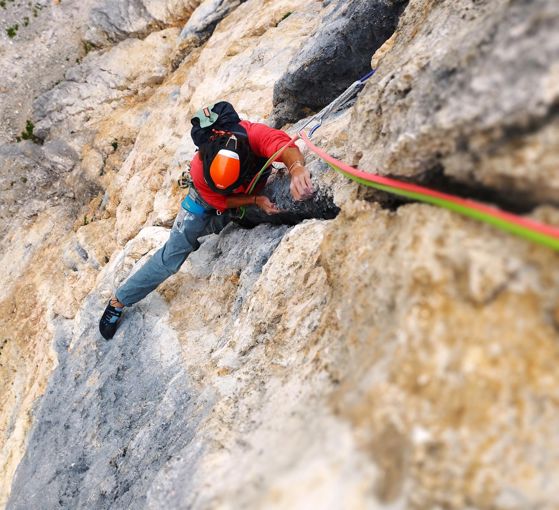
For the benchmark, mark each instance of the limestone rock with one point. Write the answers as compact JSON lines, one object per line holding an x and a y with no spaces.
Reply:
{"x":47,"y":42}
{"x":204,"y":19}
{"x":102,"y":81}
{"x":338,"y":54}
{"x":262,"y":351}
{"x":467,"y":93}
{"x":32,"y":178}
{"x":399,"y":357}
{"x":95,"y":242}
{"x":157,"y":405}
{"x":200,"y":26}
{"x":116,"y":20}
{"x":161,"y":406}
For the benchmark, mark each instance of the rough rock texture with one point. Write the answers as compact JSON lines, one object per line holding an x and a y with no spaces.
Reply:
{"x":134,"y":147}
{"x":101,"y":82}
{"x":116,"y":20}
{"x":397,"y":358}
{"x":205,"y":18}
{"x":334,"y":57}
{"x":46,"y":42}
{"x":292,"y":212}
{"x":469,"y":93}
{"x":108,"y":460}
{"x":32,"y":175}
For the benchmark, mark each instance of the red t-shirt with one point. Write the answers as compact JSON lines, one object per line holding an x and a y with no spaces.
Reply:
{"x":264,"y":141}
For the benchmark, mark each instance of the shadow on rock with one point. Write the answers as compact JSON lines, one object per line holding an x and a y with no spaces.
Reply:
{"x":338,"y":54}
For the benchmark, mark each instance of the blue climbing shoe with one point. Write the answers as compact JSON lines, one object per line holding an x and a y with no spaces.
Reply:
{"x":109,"y":321}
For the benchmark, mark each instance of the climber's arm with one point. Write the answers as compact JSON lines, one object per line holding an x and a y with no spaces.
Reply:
{"x":301,"y":185}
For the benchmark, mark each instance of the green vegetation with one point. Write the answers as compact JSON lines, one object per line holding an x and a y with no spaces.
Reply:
{"x":28,"y":134}
{"x":87,"y":46}
{"x":12,"y":31}
{"x":114,"y":145}
{"x":85,"y":220}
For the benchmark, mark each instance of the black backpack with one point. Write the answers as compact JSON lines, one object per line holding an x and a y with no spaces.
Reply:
{"x":211,"y":131}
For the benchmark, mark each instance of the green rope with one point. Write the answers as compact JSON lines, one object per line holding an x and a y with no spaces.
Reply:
{"x":256,"y":178}
{"x":266,"y":165}
{"x":500,"y":223}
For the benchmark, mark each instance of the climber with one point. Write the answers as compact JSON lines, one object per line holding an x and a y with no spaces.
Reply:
{"x":231,"y":152}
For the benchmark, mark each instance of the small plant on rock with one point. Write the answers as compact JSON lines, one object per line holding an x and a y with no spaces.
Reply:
{"x":28,"y":133}
{"x":87,"y":46}
{"x":12,"y":31}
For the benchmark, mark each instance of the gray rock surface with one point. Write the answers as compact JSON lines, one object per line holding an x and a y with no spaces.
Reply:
{"x":133,"y":393}
{"x":204,"y":19}
{"x":100,"y":83}
{"x":338,"y":54}
{"x":116,"y":414}
{"x":321,"y":205}
{"x":48,"y":42}
{"x":467,"y":94}
{"x":34,"y":177}
{"x":116,"y":20}
{"x":201,"y":24}
{"x":398,"y":358}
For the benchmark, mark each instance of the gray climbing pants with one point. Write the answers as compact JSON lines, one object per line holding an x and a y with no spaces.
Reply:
{"x":194,"y":220}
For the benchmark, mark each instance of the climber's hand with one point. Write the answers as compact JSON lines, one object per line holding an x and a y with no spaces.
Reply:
{"x":301,"y":186}
{"x":266,"y":205}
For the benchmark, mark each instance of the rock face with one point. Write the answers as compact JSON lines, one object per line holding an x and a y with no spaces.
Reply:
{"x":338,"y":54}
{"x":148,"y":423}
{"x":116,"y":20}
{"x":33,"y":176}
{"x":202,"y":23}
{"x":95,"y":87}
{"x":480,"y":109}
{"x":152,"y":419}
{"x":353,"y":356}
{"x":40,"y":41}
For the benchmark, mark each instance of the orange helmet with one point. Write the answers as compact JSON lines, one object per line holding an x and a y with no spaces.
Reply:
{"x":225,"y":169}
